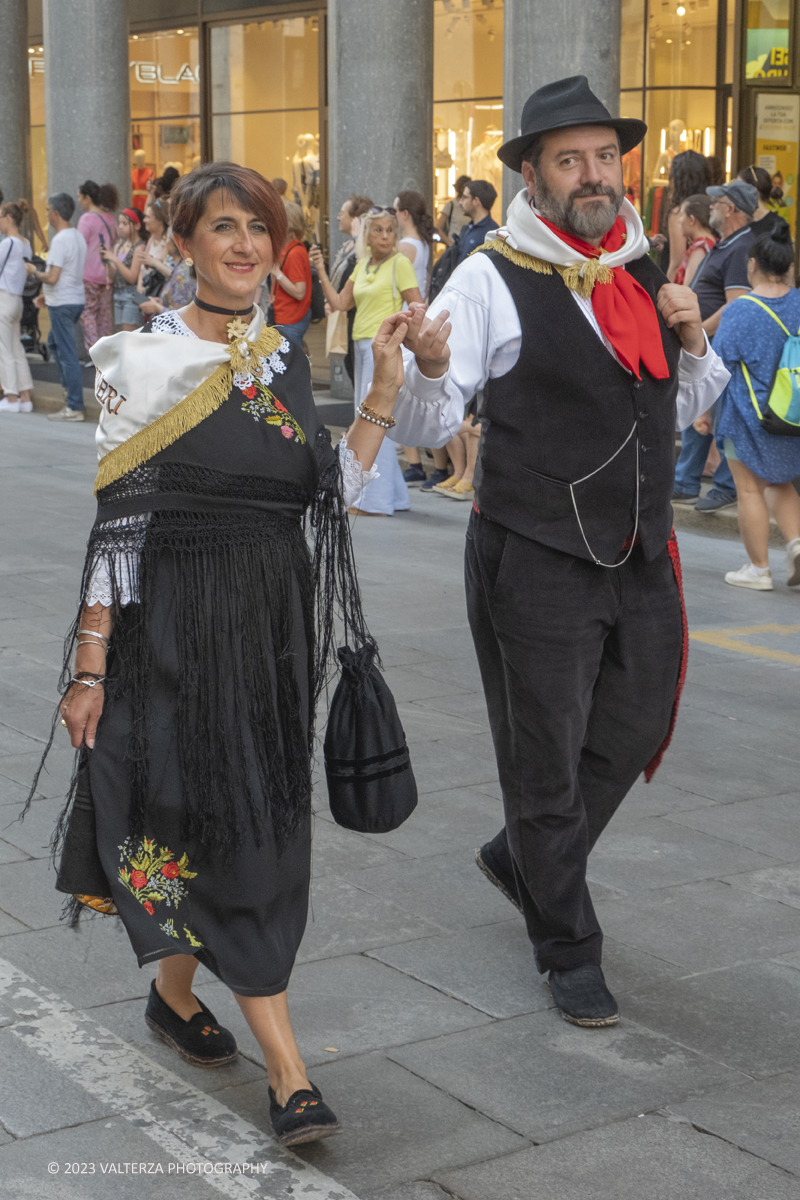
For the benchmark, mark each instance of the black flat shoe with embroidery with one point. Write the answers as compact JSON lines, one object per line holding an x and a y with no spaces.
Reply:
{"x":201,"y":1040}
{"x":304,"y":1118}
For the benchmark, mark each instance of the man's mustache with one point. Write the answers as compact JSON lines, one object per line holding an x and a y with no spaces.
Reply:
{"x":594,"y":189}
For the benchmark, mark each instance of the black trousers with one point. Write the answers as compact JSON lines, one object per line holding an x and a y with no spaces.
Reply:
{"x":579,"y":665}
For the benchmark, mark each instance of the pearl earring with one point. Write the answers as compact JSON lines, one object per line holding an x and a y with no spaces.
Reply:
{"x":189,"y":262}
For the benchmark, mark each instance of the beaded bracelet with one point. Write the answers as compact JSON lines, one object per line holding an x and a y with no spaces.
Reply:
{"x":369,"y":414}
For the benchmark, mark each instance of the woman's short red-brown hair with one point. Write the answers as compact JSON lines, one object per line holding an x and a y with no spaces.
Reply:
{"x":255,"y":194}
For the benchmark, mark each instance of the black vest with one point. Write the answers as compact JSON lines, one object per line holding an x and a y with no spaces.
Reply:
{"x":561,"y":412}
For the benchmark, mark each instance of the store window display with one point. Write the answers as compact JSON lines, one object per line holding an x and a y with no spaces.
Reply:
{"x":468,"y":95}
{"x":265,"y":103}
{"x":165,"y":105}
{"x":669,"y":70}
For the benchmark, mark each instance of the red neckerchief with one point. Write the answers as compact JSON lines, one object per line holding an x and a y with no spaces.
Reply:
{"x":625,"y":312}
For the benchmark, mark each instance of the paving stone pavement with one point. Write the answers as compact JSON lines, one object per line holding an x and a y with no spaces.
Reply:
{"x":415,"y":999}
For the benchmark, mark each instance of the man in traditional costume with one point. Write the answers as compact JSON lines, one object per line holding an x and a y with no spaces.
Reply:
{"x":584,"y":353}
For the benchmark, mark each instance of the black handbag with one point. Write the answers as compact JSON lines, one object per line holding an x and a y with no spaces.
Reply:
{"x":371,"y":786}
{"x":153,"y":282}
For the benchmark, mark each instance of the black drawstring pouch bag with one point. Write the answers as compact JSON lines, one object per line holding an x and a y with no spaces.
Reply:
{"x":371,"y":786}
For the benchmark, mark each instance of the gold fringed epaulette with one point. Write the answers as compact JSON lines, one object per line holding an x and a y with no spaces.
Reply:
{"x":185,"y":415}
{"x":580,"y":278}
{"x":517,"y":256}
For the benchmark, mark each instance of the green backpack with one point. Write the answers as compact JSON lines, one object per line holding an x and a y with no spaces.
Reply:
{"x":782,"y":417}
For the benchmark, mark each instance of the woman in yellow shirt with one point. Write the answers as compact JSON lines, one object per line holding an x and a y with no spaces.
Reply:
{"x":382,"y":281}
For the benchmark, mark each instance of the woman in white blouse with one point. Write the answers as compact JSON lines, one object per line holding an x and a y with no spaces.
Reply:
{"x":15,"y":374}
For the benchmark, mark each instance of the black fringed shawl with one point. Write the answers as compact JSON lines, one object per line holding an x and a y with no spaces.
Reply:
{"x":237,"y":530}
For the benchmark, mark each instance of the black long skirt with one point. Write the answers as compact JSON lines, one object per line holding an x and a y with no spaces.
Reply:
{"x":243,"y":916}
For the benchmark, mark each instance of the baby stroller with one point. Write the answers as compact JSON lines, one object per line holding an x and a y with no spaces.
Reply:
{"x":30,"y":336}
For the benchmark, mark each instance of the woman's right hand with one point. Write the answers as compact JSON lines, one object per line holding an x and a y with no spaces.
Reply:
{"x":81,"y":709}
{"x":315,"y":255}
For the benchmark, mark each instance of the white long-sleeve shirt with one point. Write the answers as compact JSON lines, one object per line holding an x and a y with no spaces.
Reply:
{"x":485,"y":343}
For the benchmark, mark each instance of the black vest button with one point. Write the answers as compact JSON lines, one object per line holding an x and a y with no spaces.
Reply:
{"x":645,"y":449}
{"x":637,"y":383}
{"x":642,"y":478}
{"x":642,"y":416}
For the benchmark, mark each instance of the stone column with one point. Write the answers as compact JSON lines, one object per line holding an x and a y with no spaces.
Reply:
{"x":15,"y":175}
{"x":87,"y":94}
{"x":380,"y":108}
{"x":545,"y":40}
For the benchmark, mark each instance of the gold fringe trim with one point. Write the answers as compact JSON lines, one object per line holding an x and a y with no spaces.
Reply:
{"x":518,"y":257}
{"x":184,"y":415}
{"x":592,"y":270}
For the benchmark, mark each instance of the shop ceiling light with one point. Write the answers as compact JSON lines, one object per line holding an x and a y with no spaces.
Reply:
{"x":680,"y":10}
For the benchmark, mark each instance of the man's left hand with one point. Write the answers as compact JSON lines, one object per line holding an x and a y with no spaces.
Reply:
{"x":679,"y":308}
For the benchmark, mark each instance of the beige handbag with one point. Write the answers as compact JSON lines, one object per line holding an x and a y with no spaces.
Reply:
{"x":336,"y":334}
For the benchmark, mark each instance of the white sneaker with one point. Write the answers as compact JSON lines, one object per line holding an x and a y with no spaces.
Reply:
{"x":26,"y":406}
{"x":9,"y":405}
{"x":793,"y":564}
{"x":751,"y":577}
{"x":66,"y":414}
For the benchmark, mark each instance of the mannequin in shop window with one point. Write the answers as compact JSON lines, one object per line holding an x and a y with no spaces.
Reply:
{"x":484,"y":163}
{"x":140,"y":177}
{"x":305,"y":180}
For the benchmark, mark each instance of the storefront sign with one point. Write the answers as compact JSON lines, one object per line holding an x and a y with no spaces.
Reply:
{"x":768,"y":41}
{"x":150,"y":72}
{"x":778,"y":145}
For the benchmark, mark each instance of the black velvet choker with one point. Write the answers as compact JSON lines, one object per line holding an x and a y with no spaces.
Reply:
{"x":223,"y":312}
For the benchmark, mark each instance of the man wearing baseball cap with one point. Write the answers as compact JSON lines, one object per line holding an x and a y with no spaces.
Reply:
{"x":586,"y":356}
{"x":720,"y":279}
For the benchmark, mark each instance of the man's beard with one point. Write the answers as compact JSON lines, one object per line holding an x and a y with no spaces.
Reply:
{"x":589,"y":221}
{"x":717,"y":221}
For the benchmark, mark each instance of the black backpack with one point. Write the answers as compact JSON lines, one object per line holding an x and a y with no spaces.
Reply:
{"x":443,"y":269}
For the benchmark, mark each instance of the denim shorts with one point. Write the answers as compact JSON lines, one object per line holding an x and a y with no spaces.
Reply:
{"x":126,"y":306}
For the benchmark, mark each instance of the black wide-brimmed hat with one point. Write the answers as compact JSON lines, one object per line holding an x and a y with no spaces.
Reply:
{"x":560,"y":105}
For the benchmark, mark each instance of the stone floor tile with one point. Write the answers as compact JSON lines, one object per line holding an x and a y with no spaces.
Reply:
{"x":715,"y":771}
{"x":14,"y":742}
{"x":35,"y":1096}
{"x":762,"y":1118}
{"x":470,"y":705}
{"x":429,"y":723}
{"x":396,"y":1127}
{"x":33,"y":833}
{"x":12,"y":792}
{"x":448,"y":888}
{"x":747,"y":1016}
{"x":24,"y":1174}
{"x":126,"y":1019}
{"x":450,"y":763}
{"x":645,"y":1157}
{"x":353,"y":1004}
{"x":345,"y":919}
{"x":658,"y":853}
{"x":702,"y":925}
{"x":337,"y":851}
{"x":769,"y":824}
{"x":558,"y":1079}
{"x":774,"y":883}
{"x":55,"y":777}
{"x":9,"y":853}
{"x":490,"y":968}
{"x":27,"y":892}
{"x":93,"y":966}
{"x":453,"y":819}
{"x":407,"y":684}
{"x":407,"y":1191}
{"x":655,"y":799}
{"x":8,"y":925}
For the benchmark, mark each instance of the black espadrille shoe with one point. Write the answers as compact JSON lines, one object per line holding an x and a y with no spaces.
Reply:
{"x":494,"y":859}
{"x":582,"y":997}
{"x":201,"y":1040}
{"x":305,"y":1117}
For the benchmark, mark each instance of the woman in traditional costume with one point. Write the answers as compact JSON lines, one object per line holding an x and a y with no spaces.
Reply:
{"x":204,"y":634}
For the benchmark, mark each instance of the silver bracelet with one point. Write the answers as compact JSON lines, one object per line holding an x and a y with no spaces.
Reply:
{"x":89,"y":633}
{"x":90,"y":683}
{"x":96,"y":645}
